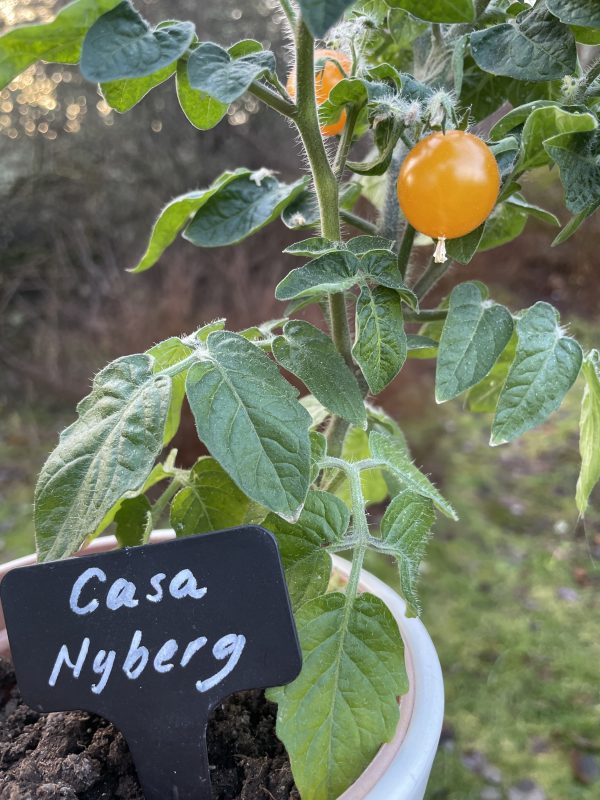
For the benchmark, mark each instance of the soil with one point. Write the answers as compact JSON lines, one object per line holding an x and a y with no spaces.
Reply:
{"x":64,"y":756}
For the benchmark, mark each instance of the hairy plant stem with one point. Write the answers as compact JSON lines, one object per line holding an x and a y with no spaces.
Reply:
{"x":273,"y":99}
{"x":163,"y":501}
{"x":405,"y":249}
{"x":327,"y":191}
{"x":357,"y":222}
{"x":430,"y":277}
{"x":289,"y":12}
{"x":360,"y":524}
{"x":341,"y":156}
{"x":425,"y":315}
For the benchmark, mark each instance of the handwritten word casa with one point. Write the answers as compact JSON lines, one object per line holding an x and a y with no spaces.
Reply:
{"x":123,"y":594}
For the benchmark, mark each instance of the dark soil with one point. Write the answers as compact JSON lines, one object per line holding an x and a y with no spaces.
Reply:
{"x":78,"y":755}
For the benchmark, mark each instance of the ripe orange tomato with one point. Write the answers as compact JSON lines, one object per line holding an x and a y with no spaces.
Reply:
{"x":327,"y":74}
{"x":448,"y":184}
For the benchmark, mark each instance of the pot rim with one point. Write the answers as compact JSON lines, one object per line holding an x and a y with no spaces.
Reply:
{"x":400,"y":763}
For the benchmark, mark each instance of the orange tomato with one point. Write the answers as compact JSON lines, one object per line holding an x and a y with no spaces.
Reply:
{"x":448,"y":184}
{"x":327,"y":74}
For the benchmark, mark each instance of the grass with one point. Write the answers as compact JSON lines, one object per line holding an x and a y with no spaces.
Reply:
{"x":511,"y":600}
{"x":510,"y":593}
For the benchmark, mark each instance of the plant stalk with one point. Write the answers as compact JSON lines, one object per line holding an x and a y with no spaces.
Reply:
{"x":273,"y":99}
{"x":345,"y":144}
{"x":430,"y":277}
{"x":406,"y":246}
{"x":357,"y":222}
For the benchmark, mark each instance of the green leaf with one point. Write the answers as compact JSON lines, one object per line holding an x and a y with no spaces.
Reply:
{"x":175,"y":216}
{"x":544,"y":123}
{"x":483,"y":398}
{"x":585,"y":13}
{"x":121,"y":44}
{"x":437,"y":10}
{"x":586,"y":35}
{"x":210,"y":502}
{"x":320,"y":15}
{"x":312,"y":247}
{"x":343,"y":706}
{"x":516,"y":117}
{"x":374,"y":488}
{"x":532,"y":210}
{"x":545,"y":367}
{"x":332,"y":272}
{"x":421,"y":346}
{"x":577,"y":156}
{"x":347,"y":92}
{"x":202,"y":110}
{"x":250,"y":420}
{"x":339,"y":270}
{"x":365,"y":245}
{"x":589,"y":431}
{"x":133,"y":521}
{"x":380,"y":347}
{"x":166,"y":354}
{"x":240,"y":208}
{"x":464,"y":248}
{"x":308,"y":353}
{"x":212,"y":69}
{"x":318,"y":449}
{"x":398,"y":462}
{"x":406,"y":528}
{"x":58,"y":41}
{"x":323,"y":521}
{"x":533,"y":47}
{"x":123,"y":95}
{"x":575,"y":223}
{"x":505,"y":223}
{"x":476,"y":331}
{"x":106,"y":454}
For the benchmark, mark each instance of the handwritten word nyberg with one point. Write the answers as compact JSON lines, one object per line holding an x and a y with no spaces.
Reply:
{"x":123,"y":593}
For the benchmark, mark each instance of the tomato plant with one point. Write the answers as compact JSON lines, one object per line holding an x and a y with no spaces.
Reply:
{"x":406,"y":79}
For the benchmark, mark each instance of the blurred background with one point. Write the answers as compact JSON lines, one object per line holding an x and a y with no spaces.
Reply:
{"x":510,"y":593}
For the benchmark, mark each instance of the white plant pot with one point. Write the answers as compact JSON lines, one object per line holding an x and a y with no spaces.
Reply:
{"x":401,"y":768}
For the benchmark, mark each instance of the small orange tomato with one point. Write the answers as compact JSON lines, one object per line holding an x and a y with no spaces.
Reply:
{"x":327,"y":74}
{"x":448,"y":184}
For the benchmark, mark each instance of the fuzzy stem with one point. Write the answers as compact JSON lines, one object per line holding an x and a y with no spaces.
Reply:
{"x":163,"y":501}
{"x":426,"y":315}
{"x":430,"y":277}
{"x":346,"y":141}
{"x":357,"y":222}
{"x":405,"y":249}
{"x":289,"y":12}
{"x":273,"y":99}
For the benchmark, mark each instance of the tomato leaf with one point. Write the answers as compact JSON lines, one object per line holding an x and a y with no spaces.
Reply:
{"x":323,"y":521}
{"x":545,"y":367}
{"x":106,"y":454}
{"x":175,"y":216}
{"x":58,"y":41}
{"x":476,"y":331}
{"x":397,"y":460}
{"x":589,"y":431}
{"x":577,"y":157}
{"x":380,"y":347}
{"x":533,"y":47}
{"x":344,"y":702}
{"x":483,"y":398}
{"x":122,"y":95}
{"x":251,"y":422}
{"x":166,"y":354}
{"x":240,"y":208}
{"x":320,"y":15}
{"x":437,"y":10}
{"x":212,"y":70}
{"x":575,"y":223}
{"x":585,"y":13}
{"x":406,"y":528}
{"x":202,"y":110}
{"x":308,"y":353}
{"x":544,"y":123}
{"x":121,"y":44}
{"x":133,"y":521}
{"x":210,"y":502}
